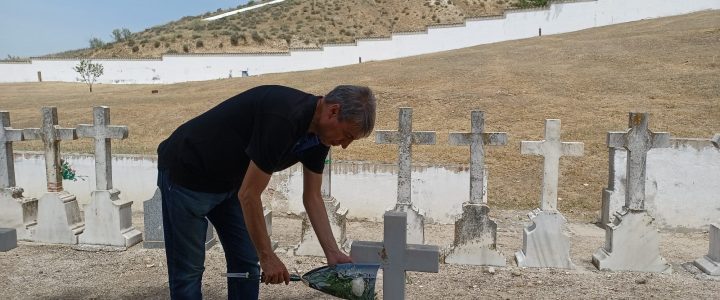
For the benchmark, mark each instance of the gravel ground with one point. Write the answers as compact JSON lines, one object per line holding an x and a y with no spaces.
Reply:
{"x":36,"y":271}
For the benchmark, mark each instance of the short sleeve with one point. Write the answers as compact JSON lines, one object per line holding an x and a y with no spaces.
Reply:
{"x":272,"y":138}
{"x":314,"y":158}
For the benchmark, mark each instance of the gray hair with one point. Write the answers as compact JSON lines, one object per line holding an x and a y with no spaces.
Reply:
{"x":357,"y":106}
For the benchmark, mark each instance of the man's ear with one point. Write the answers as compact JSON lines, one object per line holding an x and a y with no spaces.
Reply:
{"x":334,"y":110}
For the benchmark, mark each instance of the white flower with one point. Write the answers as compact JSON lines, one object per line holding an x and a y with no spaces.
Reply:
{"x":358,"y":286}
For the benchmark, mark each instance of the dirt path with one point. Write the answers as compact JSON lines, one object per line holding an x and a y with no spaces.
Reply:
{"x":34,"y":271}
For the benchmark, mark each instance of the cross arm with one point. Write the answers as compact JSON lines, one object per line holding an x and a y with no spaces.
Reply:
{"x":367,"y":252}
{"x":32,"y":133}
{"x":422,"y":258}
{"x":572,"y":148}
{"x":423,"y":137}
{"x":386,"y":137}
{"x":11,"y":135}
{"x":495,"y":138}
{"x":109,"y":132}
{"x":85,"y":130}
{"x":117,"y":132}
{"x":531,"y":147}
{"x":616,"y":139}
{"x":66,"y":134}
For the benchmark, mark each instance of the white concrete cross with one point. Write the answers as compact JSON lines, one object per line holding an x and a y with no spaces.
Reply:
{"x":637,"y":140}
{"x":552,"y":149}
{"x":477,"y":138}
{"x":395,"y":255}
{"x":102,"y":132}
{"x":405,"y":138}
{"x":8,"y":135}
{"x":51,"y":134}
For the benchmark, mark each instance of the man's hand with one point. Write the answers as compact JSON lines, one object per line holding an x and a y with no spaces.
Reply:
{"x":274,"y":271}
{"x":337,"y":257}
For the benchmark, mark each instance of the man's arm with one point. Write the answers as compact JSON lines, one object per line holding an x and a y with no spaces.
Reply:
{"x":253,"y":185}
{"x":315,"y":208}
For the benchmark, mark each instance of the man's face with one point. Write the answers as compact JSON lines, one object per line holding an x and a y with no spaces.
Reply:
{"x":335,"y":133}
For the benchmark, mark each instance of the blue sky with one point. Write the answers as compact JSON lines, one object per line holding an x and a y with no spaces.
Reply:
{"x":34,"y":28}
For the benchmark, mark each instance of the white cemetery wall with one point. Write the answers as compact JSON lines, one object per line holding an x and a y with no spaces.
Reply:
{"x":115,"y":70}
{"x":365,"y":189}
{"x":134,"y":176}
{"x":681,"y":186}
{"x":368,"y":190}
{"x":517,"y":24}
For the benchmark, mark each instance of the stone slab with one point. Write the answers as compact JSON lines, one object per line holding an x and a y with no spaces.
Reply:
{"x":309,"y":244}
{"x":710,"y":263}
{"x":631,"y":244}
{"x":59,"y":219}
{"x":18,"y":212}
{"x":475,"y":239}
{"x":415,"y":222}
{"x":8,"y":239}
{"x":545,"y":244}
{"x":108,"y":221}
{"x":154,"y":237}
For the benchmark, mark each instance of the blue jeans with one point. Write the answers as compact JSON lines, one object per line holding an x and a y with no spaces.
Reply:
{"x":185,"y":227}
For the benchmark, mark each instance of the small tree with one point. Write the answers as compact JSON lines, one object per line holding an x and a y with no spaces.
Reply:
{"x":96,"y":43}
{"x":120,"y":35}
{"x":89,"y":72}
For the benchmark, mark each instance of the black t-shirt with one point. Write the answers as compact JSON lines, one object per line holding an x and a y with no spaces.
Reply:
{"x":267,"y":124}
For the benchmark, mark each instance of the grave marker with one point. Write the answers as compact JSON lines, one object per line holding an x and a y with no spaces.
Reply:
{"x":309,"y":243}
{"x":710,"y":263}
{"x":59,"y":218}
{"x":153,"y":219}
{"x":404,"y":137}
{"x":545,"y":245}
{"x":395,"y":255}
{"x":108,"y":220}
{"x":16,"y":211}
{"x":475,"y":233}
{"x":632,"y":241}
{"x":8,"y":239}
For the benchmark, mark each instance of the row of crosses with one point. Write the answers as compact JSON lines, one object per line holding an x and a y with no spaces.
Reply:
{"x":107,"y":219}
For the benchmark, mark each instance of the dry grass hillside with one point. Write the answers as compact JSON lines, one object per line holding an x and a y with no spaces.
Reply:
{"x":591,"y":79}
{"x":295,"y":24}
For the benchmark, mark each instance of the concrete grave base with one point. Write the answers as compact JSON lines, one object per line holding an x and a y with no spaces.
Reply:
{"x":59,"y":219}
{"x":545,"y":245}
{"x":475,"y":239}
{"x":18,"y":212}
{"x":710,"y":264}
{"x":108,"y":221}
{"x":154,"y":237}
{"x":415,"y":222}
{"x":309,"y":244}
{"x":631,"y":244}
{"x":8,"y":239}
{"x":267,"y":214}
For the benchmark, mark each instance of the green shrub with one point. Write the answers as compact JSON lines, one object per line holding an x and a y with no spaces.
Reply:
{"x":186,"y":49}
{"x":199,"y":44}
{"x":135,"y":49}
{"x":257,"y":37}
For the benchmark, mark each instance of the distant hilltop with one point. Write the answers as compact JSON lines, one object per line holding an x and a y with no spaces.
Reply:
{"x":280,"y":25}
